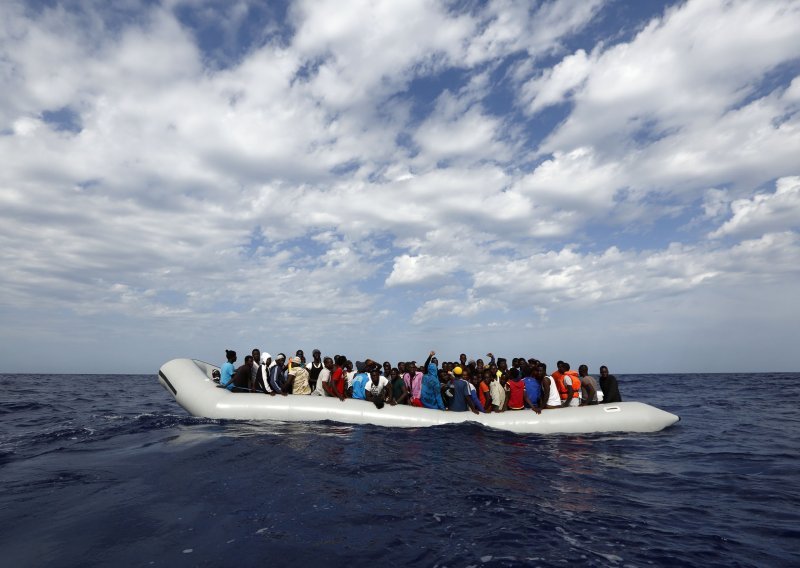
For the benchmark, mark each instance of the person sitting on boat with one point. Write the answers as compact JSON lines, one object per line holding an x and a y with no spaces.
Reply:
{"x":431,"y":391}
{"x":241,"y":378}
{"x":517,"y":397}
{"x":461,"y":400}
{"x":609,"y":386}
{"x":277,"y":372}
{"x":254,"y":369}
{"x":533,"y":387}
{"x":377,"y":389}
{"x":324,"y":377}
{"x":296,"y":378}
{"x":357,"y":389}
{"x":591,"y":393}
{"x":474,"y":383}
{"x":498,"y":389}
{"x":550,"y":395}
{"x":264,"y":380}
{"x":400,"y":393}
{"x":336,"y":386}
{"x":568,"y":383}
{"x":227,"y":370}
{"x":413,"y":381}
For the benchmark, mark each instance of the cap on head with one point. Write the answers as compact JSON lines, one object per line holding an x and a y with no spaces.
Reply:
{"x":280,"y":357}
{"x":295,"y":360}
{"x":457,"y":371}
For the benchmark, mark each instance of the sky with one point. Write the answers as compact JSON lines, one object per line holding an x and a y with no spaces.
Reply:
{"x":598,"y":181}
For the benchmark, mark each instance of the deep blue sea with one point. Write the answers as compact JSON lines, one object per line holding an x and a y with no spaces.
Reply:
{"x":110,"y":471}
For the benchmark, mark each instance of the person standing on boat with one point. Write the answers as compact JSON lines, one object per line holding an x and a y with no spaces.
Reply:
{"x":569,"y":385}
{"x":591,"y":391}
{"x":431,"y":391}
{"x":314,"y":368}
{"x":609,"y":386}
{"x":227,"y":370}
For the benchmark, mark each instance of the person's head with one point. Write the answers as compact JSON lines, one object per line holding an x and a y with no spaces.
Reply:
{"x":296,"y":360}
{"x":299,"y":353}
{"x":515,"y":362}
{"x":524,"y":370}
{"x":479,"y":364}
{"x":266,"y":359}
{"x":411,"y":367}
{"x":603,"y":371}
{"x":457,"y":371}
{"x":513,"y":374}
{"x":280,"y":359}
{"x":327,"y":362}
{"x":583,"y":370}
{"x":466,"y":374}
{"x":230,"y":355}
{"x":256,"y":355}
{"x":486,"y":374}
{"x":317,"y":355}
{"x":394,"y":373}
{"x":502,"y":365}
{"x":375,"y":374}
{"x":348,"y":365}
{"x":387,"y":368}
{"x":538,"y":372}
{"x":543,"y":367}
{"x":463,"y":359}
{"x":566,"y":366}
{"x":248,"y":360}
{"x":401,"y":366}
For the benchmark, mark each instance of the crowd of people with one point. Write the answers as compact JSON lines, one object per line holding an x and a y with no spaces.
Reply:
{"x":465,"y":385}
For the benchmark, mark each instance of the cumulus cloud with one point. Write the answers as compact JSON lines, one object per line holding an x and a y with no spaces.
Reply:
{"x":377,"y":158}
{"x":765,"y":212}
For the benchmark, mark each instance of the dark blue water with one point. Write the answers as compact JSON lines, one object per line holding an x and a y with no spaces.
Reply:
{"x":109,"y":470}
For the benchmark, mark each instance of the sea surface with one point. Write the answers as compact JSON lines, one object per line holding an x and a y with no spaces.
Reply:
{"x":109,"y":471}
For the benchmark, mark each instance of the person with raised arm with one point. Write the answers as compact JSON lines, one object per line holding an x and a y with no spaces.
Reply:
{"x":431,"y":392}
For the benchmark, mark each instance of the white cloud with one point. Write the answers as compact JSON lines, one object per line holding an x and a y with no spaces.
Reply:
{"x":295,"y":188}
{"x":765,"y":212}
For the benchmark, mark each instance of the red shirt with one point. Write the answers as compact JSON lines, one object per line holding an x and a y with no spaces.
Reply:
{"x":337,"y":380}
{"x":516,"y":398}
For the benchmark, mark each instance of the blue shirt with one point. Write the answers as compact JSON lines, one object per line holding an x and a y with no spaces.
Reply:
{"x":533,"y":389}
{"x":226,"y":375}
{"x":460,"y":394}
{"x":359,"y":386}
{"x":431,"y":394}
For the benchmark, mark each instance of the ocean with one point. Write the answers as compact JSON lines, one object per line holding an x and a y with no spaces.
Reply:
{"x":108,"y":470}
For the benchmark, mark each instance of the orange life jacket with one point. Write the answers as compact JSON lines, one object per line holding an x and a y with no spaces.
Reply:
{"x":562,"y":388}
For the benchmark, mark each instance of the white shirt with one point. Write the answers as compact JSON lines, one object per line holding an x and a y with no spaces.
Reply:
{"x":376,"y":389}
{"x":324,"y":377}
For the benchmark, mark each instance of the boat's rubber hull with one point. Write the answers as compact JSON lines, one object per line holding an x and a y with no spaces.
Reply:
{"x":189,"y":381}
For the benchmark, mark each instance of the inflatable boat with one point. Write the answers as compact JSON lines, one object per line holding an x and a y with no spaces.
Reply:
{"x":190,"y":382}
